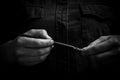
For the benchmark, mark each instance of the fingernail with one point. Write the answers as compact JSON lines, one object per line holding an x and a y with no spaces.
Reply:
{"x":87,"y":51}
{"x":51,"y":41}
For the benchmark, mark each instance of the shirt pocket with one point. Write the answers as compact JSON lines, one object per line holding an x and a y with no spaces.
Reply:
{"x":96,"y":11}
{"x":95,"y":22}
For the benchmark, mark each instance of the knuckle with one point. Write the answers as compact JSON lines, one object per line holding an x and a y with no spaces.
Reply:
{"x":44,"y":51}
{"x":103,"y":37}
{"x":113,"y":40}
{"x":117,"y":40}
{"x":40,"y":51}
{"x":32,"y":30}
{"x":48,"y":49}
{"x":19,"y":52}
{"x":50,"y":42}
{"x":20,"y":39}
{"x":42,"y":58}
{"x":43,"y":31}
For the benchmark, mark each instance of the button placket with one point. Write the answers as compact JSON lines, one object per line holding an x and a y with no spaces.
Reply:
{"x":61,"y":16}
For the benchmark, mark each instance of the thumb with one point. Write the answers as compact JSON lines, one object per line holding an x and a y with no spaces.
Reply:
{"x":39,"y":33}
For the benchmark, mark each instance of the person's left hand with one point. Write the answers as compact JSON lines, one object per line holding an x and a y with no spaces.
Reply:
{"x":103,"y":53}
{"x":104,"y":47}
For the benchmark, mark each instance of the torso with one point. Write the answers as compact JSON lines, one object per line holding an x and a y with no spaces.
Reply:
{"x":76,"y":22}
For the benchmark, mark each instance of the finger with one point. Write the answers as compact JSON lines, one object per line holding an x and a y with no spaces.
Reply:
{"x":108,"y":54}
{"x":101,"y":47}
{"x":33,"y":42}
{"x":37,"y":59}
{"x":32,"y":52}
{"x":99,"y":40}
{"x":40,"y":33}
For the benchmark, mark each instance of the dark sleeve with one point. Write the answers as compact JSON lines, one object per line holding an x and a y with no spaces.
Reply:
{"x":12,"y":23}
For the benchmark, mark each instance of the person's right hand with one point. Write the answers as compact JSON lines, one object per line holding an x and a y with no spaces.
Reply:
{"x":31,"y":50}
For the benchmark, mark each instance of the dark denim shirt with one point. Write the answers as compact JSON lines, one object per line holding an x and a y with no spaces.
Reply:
{"x":72,"y":21}
{"x":76,"y":22}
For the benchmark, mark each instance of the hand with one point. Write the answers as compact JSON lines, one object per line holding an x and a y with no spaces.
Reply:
{"x":104,"y":54}
{"x":31,"y":51}
{"x":104,"y":47}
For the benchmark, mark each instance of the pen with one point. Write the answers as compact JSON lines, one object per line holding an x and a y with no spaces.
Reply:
{"x":58,"y":43}
{"x":68,"y":45}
